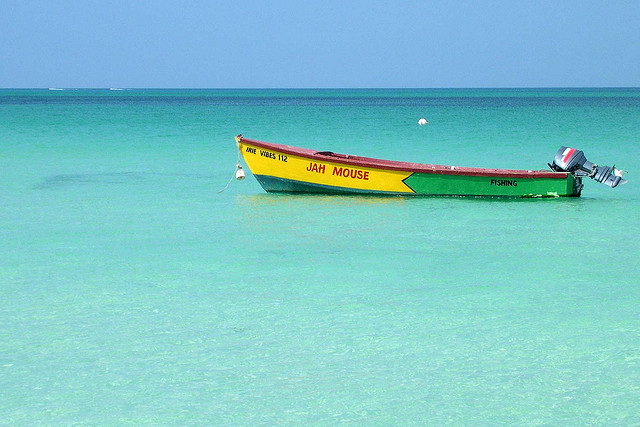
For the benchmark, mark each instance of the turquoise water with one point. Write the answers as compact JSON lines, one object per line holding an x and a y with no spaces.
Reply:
{"x":133,"y":292}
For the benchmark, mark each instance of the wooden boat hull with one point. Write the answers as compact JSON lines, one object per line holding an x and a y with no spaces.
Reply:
{"x":287,"y":169}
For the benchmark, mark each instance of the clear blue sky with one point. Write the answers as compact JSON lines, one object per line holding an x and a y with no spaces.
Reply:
{"x":319,"y":43}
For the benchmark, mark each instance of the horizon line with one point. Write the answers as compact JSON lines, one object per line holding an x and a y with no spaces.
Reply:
{"x":118,"y":88}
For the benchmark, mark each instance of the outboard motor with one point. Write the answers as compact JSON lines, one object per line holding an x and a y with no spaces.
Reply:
{"x":574,"y":161}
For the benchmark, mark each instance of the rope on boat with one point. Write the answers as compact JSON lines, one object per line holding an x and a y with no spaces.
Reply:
{"x":238,"y":173}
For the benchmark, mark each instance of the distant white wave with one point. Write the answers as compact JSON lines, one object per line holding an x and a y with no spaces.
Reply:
{"x":55,"y":88}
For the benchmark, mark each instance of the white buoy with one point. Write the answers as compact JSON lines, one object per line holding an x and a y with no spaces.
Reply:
{"x":422,"y":121}
{"x":239,"y":172}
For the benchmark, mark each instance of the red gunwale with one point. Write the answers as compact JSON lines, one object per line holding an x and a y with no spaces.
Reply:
{"x":347,"y":159}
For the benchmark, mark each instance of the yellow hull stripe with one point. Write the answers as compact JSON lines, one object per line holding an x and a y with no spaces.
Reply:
{"x":262,"y":161}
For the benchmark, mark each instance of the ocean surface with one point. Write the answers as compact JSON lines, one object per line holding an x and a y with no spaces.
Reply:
{"x":133,"y":292}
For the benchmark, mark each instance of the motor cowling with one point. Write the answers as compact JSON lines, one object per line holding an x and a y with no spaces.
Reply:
{"x":575,"y":162}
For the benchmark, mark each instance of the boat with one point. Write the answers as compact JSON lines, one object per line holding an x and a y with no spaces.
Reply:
{"x":283,"y":168}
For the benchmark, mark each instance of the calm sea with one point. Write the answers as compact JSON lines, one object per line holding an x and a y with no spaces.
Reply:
{"x":132,"y":292}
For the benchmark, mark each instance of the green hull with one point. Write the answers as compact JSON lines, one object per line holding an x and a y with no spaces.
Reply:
{"x":465,"y":185}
